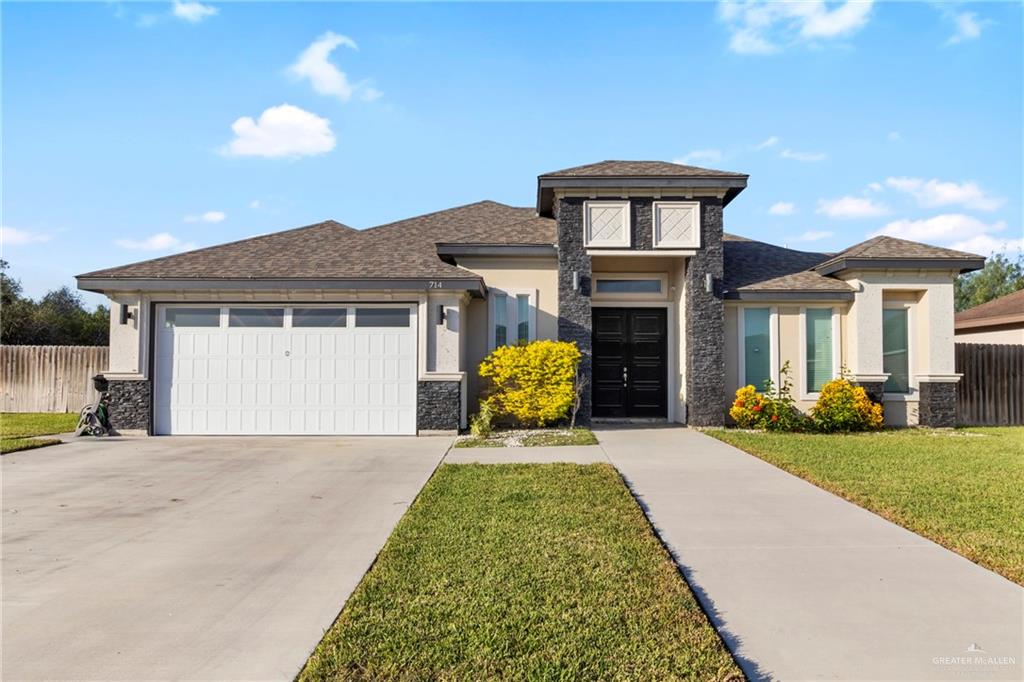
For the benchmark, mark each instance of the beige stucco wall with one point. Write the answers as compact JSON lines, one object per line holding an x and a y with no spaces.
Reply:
{"x":540,"y":274}
{"x":1001,"y":336}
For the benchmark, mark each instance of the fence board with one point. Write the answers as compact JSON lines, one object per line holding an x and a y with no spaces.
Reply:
{"x":991,"y":392}
{"x":50,"y":378}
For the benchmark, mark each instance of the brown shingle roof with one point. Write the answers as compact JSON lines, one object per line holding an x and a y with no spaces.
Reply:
{"x":1003,"y":310}
{"x":330,"y":250}
{"x":753,"y":266}
{"x":639,"y":169}
{"x":884,"y":248}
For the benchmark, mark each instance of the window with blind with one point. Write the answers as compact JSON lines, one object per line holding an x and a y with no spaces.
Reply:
{"x":818,"y":335}
{"x":512,"y":317}
{"x":896,"y":350}
{"x":500,"y":302}
{"x":757,"y":356}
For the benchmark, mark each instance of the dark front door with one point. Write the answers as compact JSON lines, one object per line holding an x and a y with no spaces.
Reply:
{"x":630,"y":368}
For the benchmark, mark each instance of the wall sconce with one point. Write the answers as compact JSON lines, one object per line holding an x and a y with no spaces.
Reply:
{"x":126,"y":314}
{"x":575,"y":280}
{"x":440,"y":313}
{"x":709,"y":283}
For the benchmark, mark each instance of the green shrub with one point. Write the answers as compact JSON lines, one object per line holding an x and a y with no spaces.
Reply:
{"x":842,"y":406}
{"x":531,"y":384}
{"x":481,"y":423}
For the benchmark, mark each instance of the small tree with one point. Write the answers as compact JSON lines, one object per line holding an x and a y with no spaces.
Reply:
{"x":999,"y":277}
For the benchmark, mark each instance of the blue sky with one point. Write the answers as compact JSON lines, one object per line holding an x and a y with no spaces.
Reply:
{"x":136,"y":130}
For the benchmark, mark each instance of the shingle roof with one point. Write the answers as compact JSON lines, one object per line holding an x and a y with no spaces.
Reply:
{"x":639,"y":169}
{"x":1005,"y":309}
{"x":884,"y":248}
{"x":756,"y":266}
{"x":330,"y":250}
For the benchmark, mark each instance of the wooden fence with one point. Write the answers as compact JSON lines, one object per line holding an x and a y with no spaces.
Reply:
{"x":50,"y":378}
{"x":991,"y":392}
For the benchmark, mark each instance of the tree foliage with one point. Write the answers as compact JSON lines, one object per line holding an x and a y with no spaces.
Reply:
{"x":59,"y":318}
{"x":999,"y":277}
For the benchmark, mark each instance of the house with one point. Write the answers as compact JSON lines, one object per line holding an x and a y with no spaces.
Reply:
{"x":999,"y":321}
{"x":325,"y":329}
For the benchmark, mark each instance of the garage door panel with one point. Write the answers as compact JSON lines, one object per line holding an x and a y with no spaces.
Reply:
{"x":283,"y":380}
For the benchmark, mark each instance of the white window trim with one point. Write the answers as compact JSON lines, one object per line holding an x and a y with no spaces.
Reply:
{"x":911,"y":308}
{"x":660,"y":243}
{"x":836,"y":364}
{"x":511,"y":316}
{"x":662,"y":296}
{"x":773,"y":342}
{"x":624,"y":242}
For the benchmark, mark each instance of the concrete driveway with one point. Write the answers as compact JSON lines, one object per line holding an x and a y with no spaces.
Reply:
{"x":192,"y":558}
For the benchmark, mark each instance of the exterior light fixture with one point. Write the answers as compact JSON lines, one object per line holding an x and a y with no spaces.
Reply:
{"x":575,"y":280}
{"x":709,"y":283}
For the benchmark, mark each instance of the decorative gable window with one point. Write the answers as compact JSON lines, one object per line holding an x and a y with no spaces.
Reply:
{"x":606,"y":223}
{"x":676,"y":224}
{"x":512,"y":314}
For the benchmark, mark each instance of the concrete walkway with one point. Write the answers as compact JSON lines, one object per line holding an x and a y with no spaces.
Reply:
{"x":806,"y":586}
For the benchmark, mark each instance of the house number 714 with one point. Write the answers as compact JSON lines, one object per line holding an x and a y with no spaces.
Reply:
{"x":433,"y":284}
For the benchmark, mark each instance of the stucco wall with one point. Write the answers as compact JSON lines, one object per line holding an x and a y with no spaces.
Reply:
{"x":540,"y":274}
{"x":1001,"y":336}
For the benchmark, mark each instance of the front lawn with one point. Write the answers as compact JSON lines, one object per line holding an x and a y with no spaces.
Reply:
{"x":529,"y":438}
{"x":962,"y":488}
{"x":522,"y":571}
{"x":17,"y":429}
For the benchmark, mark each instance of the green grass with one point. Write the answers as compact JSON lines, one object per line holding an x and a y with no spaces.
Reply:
{"x":522,"y":571}
{"x":16,"y":429}
{"x":529,"y":439}
{"x":962,"y":488}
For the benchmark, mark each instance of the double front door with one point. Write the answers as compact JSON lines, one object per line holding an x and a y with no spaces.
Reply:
{"x":630,"y":374}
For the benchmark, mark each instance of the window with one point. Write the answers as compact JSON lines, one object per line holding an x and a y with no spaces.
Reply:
{"x":757,"y":359}
{"x":523,"y":318}
{"x":676,"y":224}
{"x":628,"y":286}
{"x":606,"y":223}
{"x":382,"y":317}
{"x":318,"y":317}
{"x":896,"y":350}
{"x":192,"y":317}
{"x":256,"y":317}
{"x":512,"y":316}
{"x":818,"y":337}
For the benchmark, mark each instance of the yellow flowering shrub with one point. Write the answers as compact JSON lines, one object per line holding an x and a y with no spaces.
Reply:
{"x":843,"y":406}
{"x":532,"y":383}
{"x":747,"y":407}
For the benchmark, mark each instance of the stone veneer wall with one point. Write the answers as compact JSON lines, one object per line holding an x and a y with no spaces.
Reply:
{"x":130,"y":403}
{"x":705,"y":324}
{"x":874,"y":389}
{"x":438,"y":405}
{"x":937,"y":406}
{"x":574,"y":316}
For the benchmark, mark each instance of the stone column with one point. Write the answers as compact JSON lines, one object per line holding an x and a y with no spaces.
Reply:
{"x":574,"y":315}
{"x":130,"y":404}
{"x":937,"y":405}
{"x":705,"y":324}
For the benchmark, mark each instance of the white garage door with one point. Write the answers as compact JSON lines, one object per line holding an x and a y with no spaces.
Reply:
{"x":239,"y":369}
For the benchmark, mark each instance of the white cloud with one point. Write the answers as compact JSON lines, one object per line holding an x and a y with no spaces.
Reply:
{"x":767,"y":26}
{"x":812,"y":236}
{"x":325,"y":77}
{"x":947,"y":228}
{"x":701,"y":156}
{"x":770,"y":142}
{"x":934,"y":193}
{"x":192,"y":12}
{"x":807,"y":157}
{"x":158,"y":242}
{"x":208,"y":217}
{"x":875,"y":186}
{"x":284,"y":131}
{"x":986,"y":245}
{"x":851,"y":207}
{"x":966,"y":26}
{"x":12,"y":236}
{"x":256,"y":204}
{"x":782,"y":208}
{"x":894,"y":136}
{"x":370,"y":94}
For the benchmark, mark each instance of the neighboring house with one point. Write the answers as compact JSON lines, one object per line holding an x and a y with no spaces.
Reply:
{"x":999,"y":321}
{"x":329,"y":330}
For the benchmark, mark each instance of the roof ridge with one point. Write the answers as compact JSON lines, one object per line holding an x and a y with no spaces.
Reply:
{"x":437,"y":212}
{"x":322,"y":223}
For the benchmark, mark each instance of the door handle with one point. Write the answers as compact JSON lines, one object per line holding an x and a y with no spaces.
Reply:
{"x":625,"y":376}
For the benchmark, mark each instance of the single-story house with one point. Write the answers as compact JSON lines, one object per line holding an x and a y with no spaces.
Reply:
{"x":325,"y":329}
{"x":999,"y":321}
